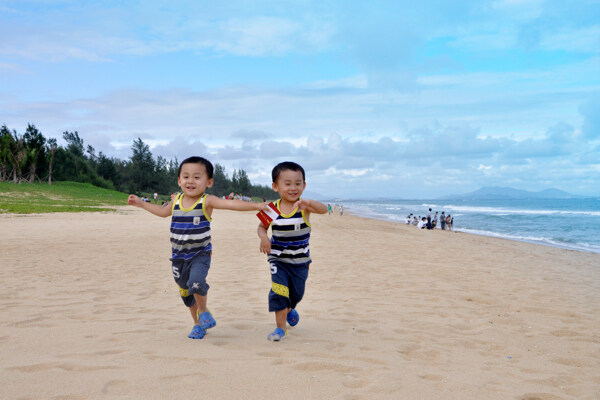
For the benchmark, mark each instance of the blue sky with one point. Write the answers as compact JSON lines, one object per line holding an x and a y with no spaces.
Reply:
{"x":374,"y":99}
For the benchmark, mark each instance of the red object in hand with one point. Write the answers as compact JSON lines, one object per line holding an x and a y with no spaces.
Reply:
{"x":266,"y":217}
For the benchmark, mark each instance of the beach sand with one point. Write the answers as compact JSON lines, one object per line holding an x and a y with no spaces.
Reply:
{"x":89,"y":310}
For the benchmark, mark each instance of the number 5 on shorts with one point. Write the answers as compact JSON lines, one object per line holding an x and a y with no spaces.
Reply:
{"x":273,"y":269}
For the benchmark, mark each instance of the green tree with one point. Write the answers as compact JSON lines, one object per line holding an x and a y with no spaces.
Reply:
{"x":34,"y":143}
{"x":74,"y":143}
{"x":222,"y":184}
{"x":51,"y":151}
{"x":241,"y":182}
{"x":7,"y":147}
{"x":142,"y":168}
{"x":19,"y":157}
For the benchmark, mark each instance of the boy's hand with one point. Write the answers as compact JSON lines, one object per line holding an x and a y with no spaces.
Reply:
{"x":312,"y":206}
{"x":133,"y":200}
{"x":265,"y":245}
{"x":265,"y":242}
{"x":302,"y":204}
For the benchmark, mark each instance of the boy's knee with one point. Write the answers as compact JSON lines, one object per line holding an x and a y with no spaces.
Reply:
{"x":200,"y":288}
{"x":278,"y":302}
{"x":187,"y":297}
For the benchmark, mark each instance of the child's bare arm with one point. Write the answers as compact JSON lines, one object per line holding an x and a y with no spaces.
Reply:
{"x":214,"y":202}
{"x":265,"y":242}
{"x":312,"y":206}
{"x":161,"y":211}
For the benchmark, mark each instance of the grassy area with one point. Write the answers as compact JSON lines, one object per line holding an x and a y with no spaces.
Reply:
{"x":32,"y":198}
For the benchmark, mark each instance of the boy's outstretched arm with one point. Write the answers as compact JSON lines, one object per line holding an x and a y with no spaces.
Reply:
{"x":214,"y":202}
{"x":312,"y":206}
{"x":265,"y":242}
{"x":161,"y":211}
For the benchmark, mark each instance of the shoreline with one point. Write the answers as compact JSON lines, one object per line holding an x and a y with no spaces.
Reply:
{"x":348,"y":209}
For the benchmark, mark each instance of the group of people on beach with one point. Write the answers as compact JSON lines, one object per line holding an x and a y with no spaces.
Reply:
{"x":446,"y":222}
{"x":331,"y":209}
{"x":287,"y":249}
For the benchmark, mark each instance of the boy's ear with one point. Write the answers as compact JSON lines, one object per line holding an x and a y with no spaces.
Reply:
{"x":274,"y":186}
{"x":210,"y":182}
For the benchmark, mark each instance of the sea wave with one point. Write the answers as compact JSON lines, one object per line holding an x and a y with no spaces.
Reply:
{"x":570,"y":229}
{"x":535,"y":239}
{"x":511,"y":211}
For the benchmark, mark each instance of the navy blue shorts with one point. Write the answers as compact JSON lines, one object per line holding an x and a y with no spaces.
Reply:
{"x":190,"y":276}
{"x":287,"y":285}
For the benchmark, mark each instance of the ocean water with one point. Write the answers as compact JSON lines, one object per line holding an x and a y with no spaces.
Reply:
{"x":567,"y":223}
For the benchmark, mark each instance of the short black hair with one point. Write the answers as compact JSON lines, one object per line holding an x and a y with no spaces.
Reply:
{"x":198,"y":160}
{"x":285,"y":166}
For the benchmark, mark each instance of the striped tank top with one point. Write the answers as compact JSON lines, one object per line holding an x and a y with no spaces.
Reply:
{"x":190,"y":229}
{"x":289,"y":239}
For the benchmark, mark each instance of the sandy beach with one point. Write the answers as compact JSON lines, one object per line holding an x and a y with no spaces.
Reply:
{"x":89,"y":310}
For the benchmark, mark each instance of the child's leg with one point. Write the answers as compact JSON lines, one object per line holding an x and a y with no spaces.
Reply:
{"x":281,"y":318}
{"x":200,"y":303}
{"x":205,"y":318}
{"x":198,"y":286}
{"x":194,"y":311}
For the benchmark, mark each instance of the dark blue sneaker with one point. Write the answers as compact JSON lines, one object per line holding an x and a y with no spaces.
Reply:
{"x":197,"y":332}
{"x":293,"y":317}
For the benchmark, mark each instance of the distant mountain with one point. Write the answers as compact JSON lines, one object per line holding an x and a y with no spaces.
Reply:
{"x":495,"y":192}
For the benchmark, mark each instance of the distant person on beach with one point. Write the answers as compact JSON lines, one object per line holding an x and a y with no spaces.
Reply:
{"x":191,"y":246}
{"x":155,"y":198}
{"x":329,"y":209}
{"x":435,"y":219}
{"x":449,"y":220}
{"x":409,"y":219}
{"x":443,"y":220}
{"x":287,"y":249}
{"x":341,"y":210}
{"x":422,"y":223}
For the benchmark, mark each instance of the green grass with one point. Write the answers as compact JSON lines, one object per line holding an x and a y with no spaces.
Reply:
{"x":26,"y":198}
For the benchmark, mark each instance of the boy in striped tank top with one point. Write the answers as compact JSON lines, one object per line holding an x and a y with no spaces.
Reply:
{"x":287,"y":249}
{"x":191,"y":246}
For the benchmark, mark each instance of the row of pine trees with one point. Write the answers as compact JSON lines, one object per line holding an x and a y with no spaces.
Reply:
{"x":30,"y":157}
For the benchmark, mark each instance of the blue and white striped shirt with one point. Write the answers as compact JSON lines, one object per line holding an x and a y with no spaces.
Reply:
{"x":289,"y":239}
{"x":190,"y":229}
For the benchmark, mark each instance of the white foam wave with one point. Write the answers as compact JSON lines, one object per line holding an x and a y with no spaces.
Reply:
{"x":515,"y":211}
{"x":535,"y":239}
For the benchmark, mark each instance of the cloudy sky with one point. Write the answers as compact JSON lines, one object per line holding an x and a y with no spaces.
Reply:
{"x":374,"y":99}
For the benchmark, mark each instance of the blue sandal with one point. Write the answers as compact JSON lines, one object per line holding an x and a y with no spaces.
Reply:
{"x":197,"y":332}
{"x":206,"y":320}
{"x":276,"y":335}
{"x":293,"y":317}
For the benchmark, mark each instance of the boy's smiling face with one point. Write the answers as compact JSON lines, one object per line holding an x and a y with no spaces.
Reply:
{"x":193,"y":179}
{"x":290,"y":185}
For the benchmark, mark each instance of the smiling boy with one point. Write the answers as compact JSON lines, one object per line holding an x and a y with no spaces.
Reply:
{"x":288,"y":250}
{"x":191,"y":246}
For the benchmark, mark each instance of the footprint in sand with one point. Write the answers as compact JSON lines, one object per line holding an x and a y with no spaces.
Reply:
{"x":63,"y":366}
{"x":564,"y":333}
{"x":353,"y":382}
{"x":540,"y":396}
{"x":117,"y":387}
{"x":242,"y":326}
{"x":325,"y":366}
{"x":435,"y":378}
{"x":572,"y":362}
